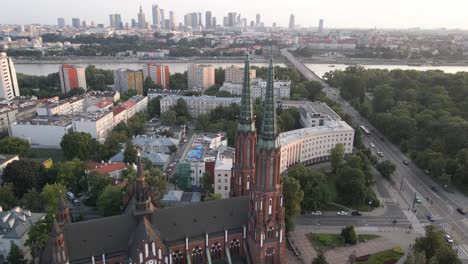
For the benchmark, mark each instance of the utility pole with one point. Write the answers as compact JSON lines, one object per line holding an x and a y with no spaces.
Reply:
{"x":401,"y":183}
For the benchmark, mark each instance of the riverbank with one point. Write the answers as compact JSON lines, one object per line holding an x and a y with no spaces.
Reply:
{"x":371,"y":61}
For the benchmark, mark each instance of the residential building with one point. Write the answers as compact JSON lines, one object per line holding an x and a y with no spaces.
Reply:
{"x":125,"y":80}
{"x":158,"y":73}
{"x":259,"y":86}
{"x":97,"y":124}
{"x":43,"y":131}
{"x":172,"y":20}
{"x":54,"y":107}
{"x":320,"y":27}
{"x":200,"y":77}
{"x":234,"y":74}
{"x":208,"y":19}
{"x":113,"y":169}
{"x":8,"y":83}
{"x":198,"y":104}
{"x":94,"y":97}
{"x":7,"y":117}
{"x":103,"y":106}
{"x":223,"y":171}
{"x":76,"y":22}
{"x":156,"y":144}
{"x":156,"y":17}
{"x":225,"y":231}
{"x":61,"y":22}
{"x":6,"y":159}
{"x":14,"y":228}
{"x":72,"y":77}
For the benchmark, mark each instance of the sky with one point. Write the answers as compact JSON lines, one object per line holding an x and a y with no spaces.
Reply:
{"x":336,"y":13}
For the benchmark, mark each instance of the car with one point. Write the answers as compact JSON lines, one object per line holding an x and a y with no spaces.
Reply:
{"x":70,"y":195}
{"x":433,"y":188}
{"x":372,"y":145}
{"x":430,"y":218}
{"x":448,"y":238}
{"x":380,"y":153}
{"x":356,"y":213}
{"x":316,"y":213}
{"x":418,"y":200}
{"x":406,"y":162}
{"x":76,"y":202}
{"x":461,"y":211}
{"x":341,"y":213}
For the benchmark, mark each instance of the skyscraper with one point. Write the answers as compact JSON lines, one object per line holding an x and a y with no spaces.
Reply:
{"x":200,"y":22}
{"x":232,"y":19}
{"x":141,"y":18}
{"x":116,"y":21}
{"x":61,"y":22}
{"x":320,"y":28}
{"x":292,"y":22}
{"x":156,"y":16}
{"x":208,"y":19}
{"x":8,"y":83}
{"x":76,"y":22}
{"x":214,"y":22}
{"x":172,"y":20}
{"x":72,"y":77}
{"x":257,"y":20}
{"x":163,"y":18}
{"x":191,"y":20}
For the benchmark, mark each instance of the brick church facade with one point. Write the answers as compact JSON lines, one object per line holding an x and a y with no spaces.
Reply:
{"x":246,"y":228}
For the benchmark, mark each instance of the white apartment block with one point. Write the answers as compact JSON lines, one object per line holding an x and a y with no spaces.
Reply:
{"x":198,"y":104}
{"x":312,"y":113}
{"x":313,"y":144}
{"x":97,"y":124}
{"x":8,"y":83}
{"x":43,"y":131}
{"x":65,"y":107}
{"x":223,"y":171}
{"x":200,"y":77}
{"x":235,"y":74}
{"x":258,"y":88}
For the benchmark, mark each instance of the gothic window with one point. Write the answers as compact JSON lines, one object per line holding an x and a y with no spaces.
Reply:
{"x":269,"y":256}
{"x":216,"y":250}
{"x":272,"y":171}
{"x":248,"y":182}
{"x":178,"y":257}
{"x":270,"y":205}
{"x":234,"y":247}
{"x":270,"y":232}
{"x":197,"y":255}
{"x":248,"y":152}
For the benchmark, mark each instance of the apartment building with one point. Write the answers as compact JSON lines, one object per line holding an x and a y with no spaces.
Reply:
{"x":258,"y":88}
{"x":72,"y":77}
{"x":200,"y":77}
{"x":158,"y":73}
{"x":235,"y":74}
{"x":198,"y":104}
{"x":8,"y":83}
{"x":126,"y":80}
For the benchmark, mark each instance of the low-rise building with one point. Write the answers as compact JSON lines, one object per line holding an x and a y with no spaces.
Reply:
{"x":94,"y":97}
{"x":155,"y":144}
{"x":223,"y":171}
{"x":44,"y":131}
{"x":312,"y":113}
{"x":97,"y":124}
{"x":104,"y":105}
{"x":7,"y":117}
{"x":54,"y":106}
{"x":258,"y":88}
{"x":14,"y":228}
{"x":198,"y":104}
{"x":113,"y":169}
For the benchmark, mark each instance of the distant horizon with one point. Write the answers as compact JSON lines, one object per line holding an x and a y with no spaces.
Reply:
{"x":343,"y":14}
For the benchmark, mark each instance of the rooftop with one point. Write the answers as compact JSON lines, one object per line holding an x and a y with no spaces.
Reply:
{"x":106,"y":168}
{"x":91,"y":117}
{"x":4,"y":158}
{"x":48,"y":121}
{"x":336,"y":126}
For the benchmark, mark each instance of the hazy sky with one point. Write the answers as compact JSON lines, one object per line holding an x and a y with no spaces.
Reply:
{"x":337,"y":13}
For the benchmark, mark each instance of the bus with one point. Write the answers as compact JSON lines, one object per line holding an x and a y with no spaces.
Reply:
{"x":365,"y":130}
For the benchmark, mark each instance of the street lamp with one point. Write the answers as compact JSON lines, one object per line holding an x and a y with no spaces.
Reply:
{"x":370,"y":203}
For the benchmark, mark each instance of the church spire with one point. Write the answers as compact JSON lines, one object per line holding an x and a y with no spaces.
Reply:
{"x":246,"y":120}
{"x":143,"y":205}
{"x":267,"y":138}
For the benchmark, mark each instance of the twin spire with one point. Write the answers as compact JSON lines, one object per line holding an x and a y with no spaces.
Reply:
{"x":246,"y":118}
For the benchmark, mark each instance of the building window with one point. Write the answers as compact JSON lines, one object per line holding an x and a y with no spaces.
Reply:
{"x":178,"y":257}
{"x":270,"y":232}
{"x":197,"y":255}
{"x":269,"y":256}
{"x":216,"y":250}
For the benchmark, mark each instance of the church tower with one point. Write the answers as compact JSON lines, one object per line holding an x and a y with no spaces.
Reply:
{"x":143,"y":204}
{"x":243,"y":172}
{"x":266,"y":226}
{"x":63,"y":214}
{"x":59,"y":251}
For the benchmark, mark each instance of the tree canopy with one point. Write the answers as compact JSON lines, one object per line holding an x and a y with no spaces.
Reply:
{"x":78,"y":145}
{"x":12,"y":145}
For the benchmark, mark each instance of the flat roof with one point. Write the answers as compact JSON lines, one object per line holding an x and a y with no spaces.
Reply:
{"x":337,"y":126}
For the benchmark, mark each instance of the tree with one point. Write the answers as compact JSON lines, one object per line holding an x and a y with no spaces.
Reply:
{"x":148,"y":84}
{"x":214,"y":196}
{"x":129,"y":174}
{"x":12,"y":145}
{"x":386,"y":167}
{"x":169,"y":117}
{"x":383,"y":98}
{"x":431,"y":244}
{"x":349,"y":235}
{"x":16,"y":255}
{"x":337,"y":156}
{"x":50,"y":196}
{"x":32,"y":200}
{"x":351,"y":184}
{"x":25,"y":175}
{"x":316,"y":192}
{"x":206,"y":185}
{"x":38,"y":235}
{"x":154,"y":107}
{"x":96,"y":183}
{"x":182,"y":113}
{"x":292,"y":196}
{"x":320,"y":258}
{"x":78,"y":145}
{"x":109,"y":202}
{"x":7,"y":196}
{"x":71,"y":173}
{"x":157,"y":184}
{"x":130,"y":153}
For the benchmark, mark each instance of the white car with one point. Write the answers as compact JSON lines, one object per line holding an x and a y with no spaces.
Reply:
{"x":70,"y":195}
{"x":448,"y":238}
{"x":372,"y":145}
{"x":316,"y":213}
{"x":341,"y":213}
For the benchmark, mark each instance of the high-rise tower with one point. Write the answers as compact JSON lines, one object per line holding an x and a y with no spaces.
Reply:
{"x":266,"y":228}
{"x":8,"y":83}
{"x":246,"y":138}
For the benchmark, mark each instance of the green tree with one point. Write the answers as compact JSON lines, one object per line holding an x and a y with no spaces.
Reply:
{"x":154,"y":107}
{"x":50,"y":196}
{"x":16,"y":255}
{"x":78,"y":145}
{"x":206,"y":185}
{"x":181,"y":110}
{"x":25,"y":175}
{"x":7,"y":196}
{"x":71,"y":173}
{"x":12,"y":145}
{"x":349,"y":235}
{"x":38,"y":235}
{"x":387,"y":168}
{"x":383,"y":98}
{"x":96,"y":183}
{"x":169,"y":118}
{"x":148,"y":84}
{"x":431,"y":243}
{"x":32,"y":200}
{"x":109,"y":202}
{"x":337,"y":156}
{"x":130,"y":153}
{"x":320,"y":258}
{"x":292,"y":196}
{"x":157,"y":184}
{"x":316,"y":192}
{"x":351,"y":185}
{"x":129,"y":174}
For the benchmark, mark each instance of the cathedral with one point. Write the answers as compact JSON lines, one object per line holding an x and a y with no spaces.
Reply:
{"x":246,"y":228}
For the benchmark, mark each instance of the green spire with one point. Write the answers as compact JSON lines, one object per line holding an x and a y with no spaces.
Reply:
{"x":267,"y":139}
{"x":246,"y":120}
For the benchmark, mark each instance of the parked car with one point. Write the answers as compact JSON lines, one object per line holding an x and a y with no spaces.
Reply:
{"x":341,"y":213}
{"x":448,"y":238}
{"x":461,"y":211}
{"x":316,"y":213}
{"x":380,"y":153}
{"x":356,"y":213}
{"x":70,"y":195}
{"x":430,"y":218}
{"x":434,"y":189}
{"x":406,"y":162}
{"x":76,"y":202}
{"x":372,"y":145}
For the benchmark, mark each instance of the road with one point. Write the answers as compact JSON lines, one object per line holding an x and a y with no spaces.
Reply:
{"x":410,"y":180}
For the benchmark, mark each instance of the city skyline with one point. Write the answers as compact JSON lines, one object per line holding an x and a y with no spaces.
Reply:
{"x":337,"y":13}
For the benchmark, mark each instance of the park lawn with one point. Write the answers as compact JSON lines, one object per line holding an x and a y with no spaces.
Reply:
{"x":328,"y":241}
{"x":382,"y":257}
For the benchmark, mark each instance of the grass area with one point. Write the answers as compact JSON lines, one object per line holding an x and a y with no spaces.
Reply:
{"x":43,"y":153}
{"x":329,"y":241}
{"x":384,"y":256}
